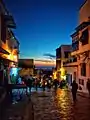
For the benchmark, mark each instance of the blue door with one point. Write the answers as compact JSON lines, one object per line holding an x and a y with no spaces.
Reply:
{"x":69,"y":79}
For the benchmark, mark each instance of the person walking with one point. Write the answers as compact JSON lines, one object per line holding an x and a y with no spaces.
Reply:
{"x":43,"y":83}
{"x":36,"y":84}
{"x":74,"y":90}
{"x":55,"y":84}
{"x":30,"y":80}
{"x":88,"y":86}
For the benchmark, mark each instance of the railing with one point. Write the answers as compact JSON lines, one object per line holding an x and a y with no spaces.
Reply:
{"x":71,"y":60}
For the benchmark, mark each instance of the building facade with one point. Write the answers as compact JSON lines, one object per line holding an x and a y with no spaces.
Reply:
{"x":62,"y":54}
{"x":81,"y":48}
{"x":9,"y":45}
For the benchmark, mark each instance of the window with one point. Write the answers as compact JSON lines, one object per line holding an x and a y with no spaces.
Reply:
{"x":83,"y":69}
{"x":81,"y":82}
{"x":66,"y":54}
{"x":74,"y":59}
{"x":84,"y":37}
{"x":75,"y":45}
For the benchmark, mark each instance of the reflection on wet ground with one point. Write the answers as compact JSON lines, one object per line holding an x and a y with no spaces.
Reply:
{"x":18,"y":94}
{"x":58,"y":105}
{"x":64,"y":104}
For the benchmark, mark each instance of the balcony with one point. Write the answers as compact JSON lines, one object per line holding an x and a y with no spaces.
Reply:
{"x":72,"y":62}
{"x":9,"y":21}
{"x":74,"y":52}
{"x":84,"y":48}
{"x":81,"y":50}
{"x":75,"y":47}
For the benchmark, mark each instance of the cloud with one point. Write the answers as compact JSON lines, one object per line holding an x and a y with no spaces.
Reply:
{"x":44,"y":60}
{"x":50,"y":56}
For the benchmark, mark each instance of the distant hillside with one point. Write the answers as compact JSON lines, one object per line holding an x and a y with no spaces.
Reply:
{"x":44,"y":67}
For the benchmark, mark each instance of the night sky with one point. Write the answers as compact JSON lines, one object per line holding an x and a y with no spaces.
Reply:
{"x":43,"y":25}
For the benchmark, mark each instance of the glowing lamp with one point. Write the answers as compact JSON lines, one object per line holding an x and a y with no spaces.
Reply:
{"x":63,"y":77}
{"x":55,"y":75}
{"x":15,"y":57}
{"x":10,"y":57}
{"x":62,"y":71}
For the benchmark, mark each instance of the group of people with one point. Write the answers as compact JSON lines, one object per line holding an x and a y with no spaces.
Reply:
{"x":29,"y":81}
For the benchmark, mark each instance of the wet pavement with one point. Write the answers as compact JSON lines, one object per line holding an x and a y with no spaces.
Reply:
{"x":22,"y":110}
{"x":51,"y":105}
{"x":19,"y":109}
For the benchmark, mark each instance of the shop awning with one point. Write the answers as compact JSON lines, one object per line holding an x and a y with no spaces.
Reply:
{"x":3,"y":51}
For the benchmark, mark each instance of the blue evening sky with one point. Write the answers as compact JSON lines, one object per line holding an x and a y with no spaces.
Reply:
{"x":43,"y":25}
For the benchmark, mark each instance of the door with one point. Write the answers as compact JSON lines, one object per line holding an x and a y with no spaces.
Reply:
{"x":69,"y":79}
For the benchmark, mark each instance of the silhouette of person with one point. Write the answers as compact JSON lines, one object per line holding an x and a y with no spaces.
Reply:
{"x":36,"y":84}
{"x":74,"y":90}
{"x":30,"y":80}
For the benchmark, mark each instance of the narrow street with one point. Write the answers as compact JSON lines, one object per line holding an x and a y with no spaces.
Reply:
{"x":44,"y":53}
{"x":49,"y":105}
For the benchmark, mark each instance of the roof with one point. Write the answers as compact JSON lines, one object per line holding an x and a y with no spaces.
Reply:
{"x":82,"y":4}
{"x":82,"y":26}
{"x":63,"y":45}
{"x":74,"y":34}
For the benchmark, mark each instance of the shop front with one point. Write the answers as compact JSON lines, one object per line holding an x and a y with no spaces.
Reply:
{"x":7,"y":70}
{"x":8,"y":67}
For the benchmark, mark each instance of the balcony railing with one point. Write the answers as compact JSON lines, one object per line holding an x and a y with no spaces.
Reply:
{"x":71,"y":60}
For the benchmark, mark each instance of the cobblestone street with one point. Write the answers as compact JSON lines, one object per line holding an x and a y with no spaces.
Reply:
{"x":19,"y":111}
{"x":49,"y":105}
